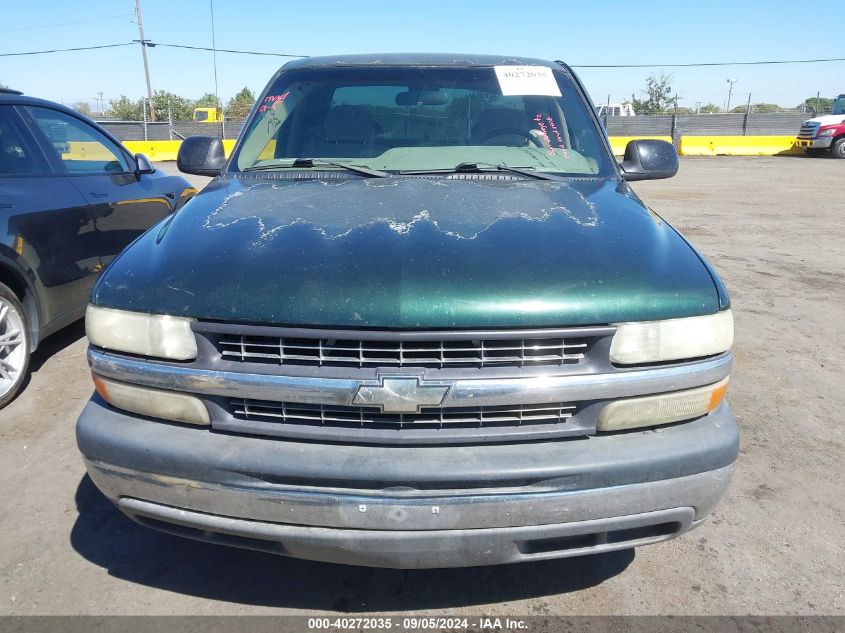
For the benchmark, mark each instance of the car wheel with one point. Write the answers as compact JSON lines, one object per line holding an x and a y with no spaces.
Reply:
{"x":838,"y":148}
{"x":14,"y":345}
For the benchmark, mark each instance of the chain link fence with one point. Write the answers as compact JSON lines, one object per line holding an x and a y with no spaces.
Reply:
{"x":170,"y":131}
{"x":728,"y":124}
{"x":673,"y":125}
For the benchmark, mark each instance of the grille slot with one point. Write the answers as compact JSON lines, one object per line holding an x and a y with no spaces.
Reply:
{"x":432,"y":354}
{"x":808,"y":130}
{"x":429,"y":417}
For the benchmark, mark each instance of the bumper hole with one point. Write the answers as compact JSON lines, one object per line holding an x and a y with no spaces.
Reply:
{"x":219,"y":538}
{"x":583,"y":541}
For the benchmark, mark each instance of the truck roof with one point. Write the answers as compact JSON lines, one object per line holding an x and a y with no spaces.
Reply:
{"x":416,"y":59}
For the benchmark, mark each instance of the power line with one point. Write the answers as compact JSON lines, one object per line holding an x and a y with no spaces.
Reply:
{"x":58,"y":24}
{"x":66,"y":50}
{"x":265,"y":53}
{"x":225,"y":50}
{"x":755,"y":63}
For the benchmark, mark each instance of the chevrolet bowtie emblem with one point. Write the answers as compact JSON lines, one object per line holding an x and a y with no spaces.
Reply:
{"x":400,"y":394}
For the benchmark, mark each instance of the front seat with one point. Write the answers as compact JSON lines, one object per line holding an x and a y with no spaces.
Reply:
{"x":350,"y":131}
{"x":501,"y":126}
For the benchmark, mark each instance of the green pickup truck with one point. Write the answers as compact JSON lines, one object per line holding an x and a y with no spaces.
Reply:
{"x":418,"y":319}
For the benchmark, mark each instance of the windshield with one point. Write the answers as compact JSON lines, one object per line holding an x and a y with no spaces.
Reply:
{"x":839,"y":105}
{"x":426,"y":118}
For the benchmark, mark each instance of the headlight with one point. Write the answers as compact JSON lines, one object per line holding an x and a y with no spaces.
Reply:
{"x":665,"y":408}
{"x":155,"y":335}
{"x":156,"y":403}
{"x":829,"y":132}
{"x":673,"y":339}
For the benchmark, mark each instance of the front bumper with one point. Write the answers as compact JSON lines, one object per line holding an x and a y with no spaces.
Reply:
{"x":814,"y":143}
{"x":411,"y":507}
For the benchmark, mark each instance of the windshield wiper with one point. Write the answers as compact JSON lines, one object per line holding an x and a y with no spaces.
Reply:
{"x":310,"y":162}
{"x":480,"y":168}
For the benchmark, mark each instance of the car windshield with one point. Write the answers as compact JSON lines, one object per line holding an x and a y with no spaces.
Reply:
{"x":839,"y":105}
{"x":399,"y":119}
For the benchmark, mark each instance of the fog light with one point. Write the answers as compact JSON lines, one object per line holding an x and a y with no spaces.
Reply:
{"x":156,"y":403}
{"x":633,"y":413}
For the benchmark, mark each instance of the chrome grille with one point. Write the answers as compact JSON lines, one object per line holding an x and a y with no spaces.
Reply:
{"x":354,"y":417}
{"x":434,"y":354}
{"x":808,"y":130}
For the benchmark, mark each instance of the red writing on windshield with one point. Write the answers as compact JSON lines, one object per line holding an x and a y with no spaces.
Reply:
{"x":550,"y":134}
{"x":272,"y":101}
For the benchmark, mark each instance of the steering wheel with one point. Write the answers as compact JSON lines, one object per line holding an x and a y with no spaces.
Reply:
{"x":509,"y":131}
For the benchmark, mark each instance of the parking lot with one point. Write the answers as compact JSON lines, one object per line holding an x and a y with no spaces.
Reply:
{"x":773,"y":228}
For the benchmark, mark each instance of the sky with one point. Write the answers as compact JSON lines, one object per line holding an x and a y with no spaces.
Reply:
{"x":580,"y":33}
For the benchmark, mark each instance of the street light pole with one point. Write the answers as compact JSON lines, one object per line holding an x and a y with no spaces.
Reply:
{"x":144,"y":55}
{"x":731,"y":83}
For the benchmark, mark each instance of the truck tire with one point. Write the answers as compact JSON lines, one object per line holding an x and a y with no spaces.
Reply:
{"x":838,"y":149}
{"x":14,"y":345}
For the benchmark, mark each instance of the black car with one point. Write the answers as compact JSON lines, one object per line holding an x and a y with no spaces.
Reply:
{"x":71,"y":198}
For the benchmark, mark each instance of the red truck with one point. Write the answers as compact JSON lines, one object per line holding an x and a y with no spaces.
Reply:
{"x":825,"y":133}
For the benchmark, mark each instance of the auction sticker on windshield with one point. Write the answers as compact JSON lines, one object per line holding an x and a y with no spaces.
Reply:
{"x":527,"y":80}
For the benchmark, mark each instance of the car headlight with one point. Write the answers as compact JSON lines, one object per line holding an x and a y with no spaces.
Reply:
{"x":155,"y":335}
{"x":673,"y":339}
{"x":829,"y":132}
{"x":634,"y":413}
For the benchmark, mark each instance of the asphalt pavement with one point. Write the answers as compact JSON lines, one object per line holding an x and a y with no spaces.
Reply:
{"x":773,"y":228}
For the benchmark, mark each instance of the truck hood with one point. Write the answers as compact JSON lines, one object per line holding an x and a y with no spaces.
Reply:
{"x":827,"y":119}
{"x":412,"y":252}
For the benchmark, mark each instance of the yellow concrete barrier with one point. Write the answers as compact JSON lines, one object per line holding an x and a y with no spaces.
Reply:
{"x":689,"y":146}
{"x":165,"y":150}
{"x":737,"y":145}
{"x":618,"y":143}
{"x":86,"y":150}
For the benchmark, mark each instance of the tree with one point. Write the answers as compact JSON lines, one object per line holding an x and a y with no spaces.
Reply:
{"x":758,"y":108}
{"x":240,"y":105}
{"x":208,"y":100}
{"x":817,"y":105}
{"x":124,"y":109}
{"x":181,"y":109}
{"x":82,"y":107}
{"x":710,"y":108}
{"x":659,"y":98}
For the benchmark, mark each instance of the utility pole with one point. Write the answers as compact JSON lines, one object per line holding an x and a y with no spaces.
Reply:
{"x":217,"y":104}
{"x":731,"y":83}
{"x":144,"y":55}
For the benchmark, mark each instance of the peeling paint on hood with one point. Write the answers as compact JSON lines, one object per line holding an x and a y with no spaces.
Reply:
{"x":409,"y":252}
{"x":459,"y":208}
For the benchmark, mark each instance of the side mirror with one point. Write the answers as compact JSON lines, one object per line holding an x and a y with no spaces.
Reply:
{"x":143,"y":165}
{"x":648,"y":159}
{"x":201,"y":156}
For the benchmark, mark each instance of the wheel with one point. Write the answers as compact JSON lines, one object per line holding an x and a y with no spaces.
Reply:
{"x":14,"y":345}
{"x":838,"y":149}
